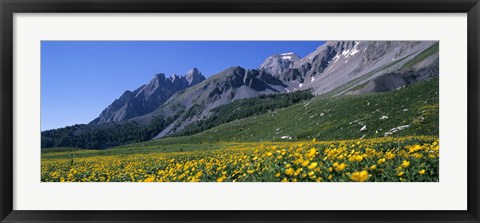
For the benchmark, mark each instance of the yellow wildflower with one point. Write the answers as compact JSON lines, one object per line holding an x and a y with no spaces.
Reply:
{"x":359,"y":176}
{"x":311,"y":153}
{"x":389,"y":155}
{"x":418,"y":155}
{"x":381,"y":161}
{"x":339,"y":167}
{"x":312,"y":165}
{"x":405,"y":164}
{"x":356,"y":158}
{"x":298,"y":171}
{"x":305,"y":163}
{"x":413,"y":148}
{"x":149,"y":179}
{"x":289,"y":171}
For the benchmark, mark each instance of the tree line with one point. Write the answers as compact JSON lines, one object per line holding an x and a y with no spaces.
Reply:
{"x":244,"y":108}
{"x":104,"y":136}
{"x":113,"y":134}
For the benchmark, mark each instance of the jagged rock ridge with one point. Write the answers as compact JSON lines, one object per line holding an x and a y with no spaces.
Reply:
{"x":147,"y":98}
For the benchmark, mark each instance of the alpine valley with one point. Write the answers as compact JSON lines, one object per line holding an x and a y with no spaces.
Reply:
{"x":367,"y":98}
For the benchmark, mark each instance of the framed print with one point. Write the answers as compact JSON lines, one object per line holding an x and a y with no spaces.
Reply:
{"x":234,"y":111}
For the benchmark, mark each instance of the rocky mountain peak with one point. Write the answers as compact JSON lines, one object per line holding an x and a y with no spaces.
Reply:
{"x":159,"y":76}
{"x":148,"y":97}
{"x":278,"y":63}
{"x":174,"y":78}
{"x":288,"y":56}
{"x":194,"y":76}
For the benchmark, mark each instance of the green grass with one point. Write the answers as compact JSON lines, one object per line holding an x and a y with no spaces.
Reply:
{"x":343,"y":117}
{"x":59,"y":149}
{"x":341,"y":120}
{"x":243,"y":108}
{"x":137,"y":148}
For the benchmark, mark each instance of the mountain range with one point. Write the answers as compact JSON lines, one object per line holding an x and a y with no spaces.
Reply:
{"x":148,"y":97}
{"x":334,"y":68}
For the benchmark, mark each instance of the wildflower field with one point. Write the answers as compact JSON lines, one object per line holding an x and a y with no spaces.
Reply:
{"x":385,"y":159}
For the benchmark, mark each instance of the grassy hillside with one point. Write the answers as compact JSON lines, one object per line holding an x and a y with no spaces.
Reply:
{"x":333,"y":118}
{"x":343,"y":117}
{"x":321,"y":142}
{"x":240,"y":109}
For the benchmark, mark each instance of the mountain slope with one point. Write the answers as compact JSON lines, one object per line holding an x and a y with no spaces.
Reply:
{"x":231,"y":84}
{"x":340,"y":66}
{"x":338,"y":62}
{"x":333,"y":69}
{"x":240,"y":109}
{"x":148,"y":97}
{"x":331,"y":66}
{"x":414,"y":107}
{"x":423,"y":66}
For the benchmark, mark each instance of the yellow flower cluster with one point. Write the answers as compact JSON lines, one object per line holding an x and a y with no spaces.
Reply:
{"x":378,"y":160}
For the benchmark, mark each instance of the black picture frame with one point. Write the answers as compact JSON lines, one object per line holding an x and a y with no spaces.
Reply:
{"x":9,"y":7}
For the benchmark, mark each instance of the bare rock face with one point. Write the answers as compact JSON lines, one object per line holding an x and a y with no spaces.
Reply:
{"x":194,"y":77}
{"x":422,"y":71}
{"x":148,"y":97}
{"x":278,"y":63}
{"x":336,"y":63}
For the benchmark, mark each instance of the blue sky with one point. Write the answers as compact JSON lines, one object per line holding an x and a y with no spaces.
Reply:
{"x":81,"y":78}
